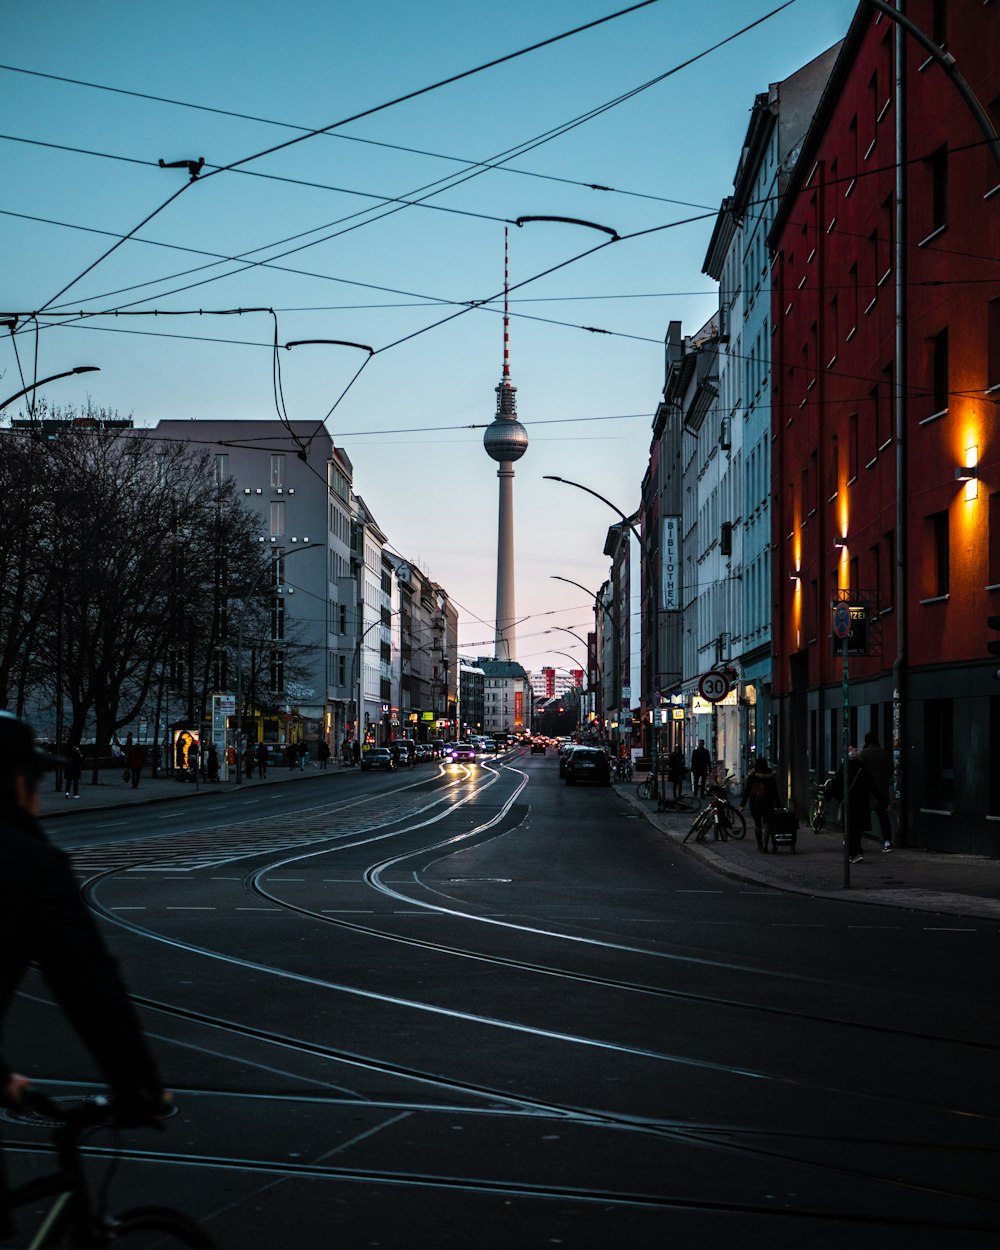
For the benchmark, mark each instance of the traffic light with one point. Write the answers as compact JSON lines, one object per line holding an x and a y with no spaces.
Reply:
{"x":993,"y":646}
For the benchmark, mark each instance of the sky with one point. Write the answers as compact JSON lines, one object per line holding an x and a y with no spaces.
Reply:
{"x":324,"y":241}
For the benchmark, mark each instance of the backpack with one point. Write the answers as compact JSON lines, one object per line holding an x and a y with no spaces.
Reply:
{"x":757,"y":791}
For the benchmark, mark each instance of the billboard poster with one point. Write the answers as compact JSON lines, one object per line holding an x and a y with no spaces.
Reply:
{"x":518,"y":709}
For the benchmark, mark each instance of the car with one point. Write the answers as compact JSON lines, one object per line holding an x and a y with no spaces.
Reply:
{"x":537,"y":746}
{"x":438,"y":746}
{"x":461,"y":752}
{"x":587,"y":764}
{"x":424,"y":752}
{"x":377,"y":757}
{"x":564,"y":754}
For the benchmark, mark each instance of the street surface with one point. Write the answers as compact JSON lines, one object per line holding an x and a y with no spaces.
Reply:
{"x":474,"y":1007}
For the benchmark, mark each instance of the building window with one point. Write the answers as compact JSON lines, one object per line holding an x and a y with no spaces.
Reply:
{"x":993,"y":344}
{"x":278,"y":470}
{"x":937,"y":191}
{"x":890,"y":568}
{"x":937,"y":564}
{"x":277,"y":518}
{"x":278,"y":565}
{"x":221,"y":468}
{"x":277,"y":672}
{"x":341,"y":670}
{"x":993,"y":573}
{"x":939,"y":781}
{"x":278,"y":620}
{"x":937,"y":366}
{"x":852,"y":446}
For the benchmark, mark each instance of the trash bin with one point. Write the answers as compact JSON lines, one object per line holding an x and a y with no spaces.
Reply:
{"x":783,"y":829}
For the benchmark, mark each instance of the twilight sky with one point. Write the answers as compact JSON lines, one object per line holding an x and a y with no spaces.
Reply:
{"x":348,"y":261}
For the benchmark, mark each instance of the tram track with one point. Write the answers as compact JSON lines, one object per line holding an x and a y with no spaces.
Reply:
{"x":729,"y":1139}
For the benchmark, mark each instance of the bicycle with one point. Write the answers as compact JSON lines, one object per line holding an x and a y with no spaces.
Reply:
{"x":647,"y":789}
{"x":817,"y":805}
{"x":623,"y":770}
{"x":78,"y":1219}
{"x":719,"y":814}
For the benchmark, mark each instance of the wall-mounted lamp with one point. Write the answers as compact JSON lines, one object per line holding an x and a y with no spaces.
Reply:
{"x":839,"y":544}
{"x":794,"y":577}
{"x":969,"y":472}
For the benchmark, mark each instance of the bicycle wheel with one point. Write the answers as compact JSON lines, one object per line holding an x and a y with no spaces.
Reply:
{"x":700,"y":824}
{"x":816,"y":816}
{"x":148,"y":1228}
{"x":645,"y":789}
{"x":736,"y":822}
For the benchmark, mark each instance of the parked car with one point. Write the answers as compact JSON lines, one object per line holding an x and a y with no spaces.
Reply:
{"x":564,"y":754}
{"x":377,"y":757}
{"x":537,"y":746}
{"x":461,"y":752}
{"x":424,"y":752}
{"x":587,"y":764}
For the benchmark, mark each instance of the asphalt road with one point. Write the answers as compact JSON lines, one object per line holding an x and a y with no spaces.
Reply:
{"x":479,"y":1008}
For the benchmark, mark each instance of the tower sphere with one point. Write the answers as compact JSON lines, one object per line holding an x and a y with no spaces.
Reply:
{"x":505,"y":439}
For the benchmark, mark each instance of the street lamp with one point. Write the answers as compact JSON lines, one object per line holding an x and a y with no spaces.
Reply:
{"x":654,"y":640}
{"x":53,"y":378}
{"x":239,"y":646}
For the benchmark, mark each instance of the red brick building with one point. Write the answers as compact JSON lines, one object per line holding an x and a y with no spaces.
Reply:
{"x":886,"y":369}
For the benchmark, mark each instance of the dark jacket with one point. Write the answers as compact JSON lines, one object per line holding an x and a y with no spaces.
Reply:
{"x":700,"y":761}
{"x":43,"y":920}
{"x":764,"y":804}
{"x":878,"y":763}
{"x":859,"y":784}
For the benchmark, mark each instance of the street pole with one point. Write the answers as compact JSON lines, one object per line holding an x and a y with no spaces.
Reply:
{"x":654,"y":641}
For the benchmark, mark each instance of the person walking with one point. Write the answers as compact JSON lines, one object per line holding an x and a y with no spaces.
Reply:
{"x":878,"y":763}
{"x":701,"y":761}
{"x":44,"y":921}
{"x":212,"y":763}
{"x":323,"y":753}
{"x":135,"y":759}
{"x":262,"y":760}
{"x":761,"y":792}
{"x":72,"y":770}
{"x":859,"y":792}
{"x":249,"y":760}
{"x":676,"y":768}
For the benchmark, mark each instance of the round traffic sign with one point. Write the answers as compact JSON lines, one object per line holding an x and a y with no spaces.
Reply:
{"x":842,"y":620}
{"x":713,"y":686}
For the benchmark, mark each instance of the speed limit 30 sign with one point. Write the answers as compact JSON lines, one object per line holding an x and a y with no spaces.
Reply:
{"x":713,"y":686}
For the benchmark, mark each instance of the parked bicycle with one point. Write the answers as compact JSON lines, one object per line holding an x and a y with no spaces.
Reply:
{"x":720,"y":815}
{"x":623,"y":769}
{"x":77,"y":1218}
{"x":817,"y":804}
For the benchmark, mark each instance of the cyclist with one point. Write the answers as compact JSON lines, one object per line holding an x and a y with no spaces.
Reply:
{"x":43,"y":920}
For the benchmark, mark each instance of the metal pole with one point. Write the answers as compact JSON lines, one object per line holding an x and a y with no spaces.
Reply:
{"x":845,"y":735}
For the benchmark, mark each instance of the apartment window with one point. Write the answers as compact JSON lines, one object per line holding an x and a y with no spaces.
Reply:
{"x":833,"y":330}
{"x":852,"y":297}
{"x":221,"y":468}
{"x":853,"y":149}
{"x":852,"y":446}
{"x":889,"y":539}
{"x":277,"y":518}
{"x":873,"y":111}
{"x":277,"y":672}
{"x":993,"y":572}
{"x":937,"y":574}
{"x":278,"y":620}
{"x":993,"y":344}
{"x":937,"y":190}
{"x":886,"y":234}
{"x":939,"y":746}
{"x":341,"y":670}
{"x":277,"y":470}
{"x":938,"y":371}
{"x":278,"y":566}
{"x":342,"y":622}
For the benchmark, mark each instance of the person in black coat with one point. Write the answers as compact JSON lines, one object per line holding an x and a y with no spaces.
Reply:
{"x":761,"y":792}
{"x":44,"y":921}
{"x":861,"y":790}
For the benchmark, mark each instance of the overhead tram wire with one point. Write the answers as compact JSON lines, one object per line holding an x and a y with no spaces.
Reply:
{"x":369,"y":112}
{"x":377,"y":143}
{"x":563,"y":129}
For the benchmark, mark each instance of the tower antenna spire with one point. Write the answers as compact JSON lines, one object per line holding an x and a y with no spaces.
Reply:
{"x":506,"y":394}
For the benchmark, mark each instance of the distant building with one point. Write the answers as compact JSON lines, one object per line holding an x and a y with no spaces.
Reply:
{"x":506,"y":696}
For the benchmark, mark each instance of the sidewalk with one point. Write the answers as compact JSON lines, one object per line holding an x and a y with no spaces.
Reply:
{"x":112,"y":792}
{"x":958,"y":885}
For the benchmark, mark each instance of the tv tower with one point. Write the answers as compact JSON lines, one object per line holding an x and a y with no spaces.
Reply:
{"x":506,"y":440}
